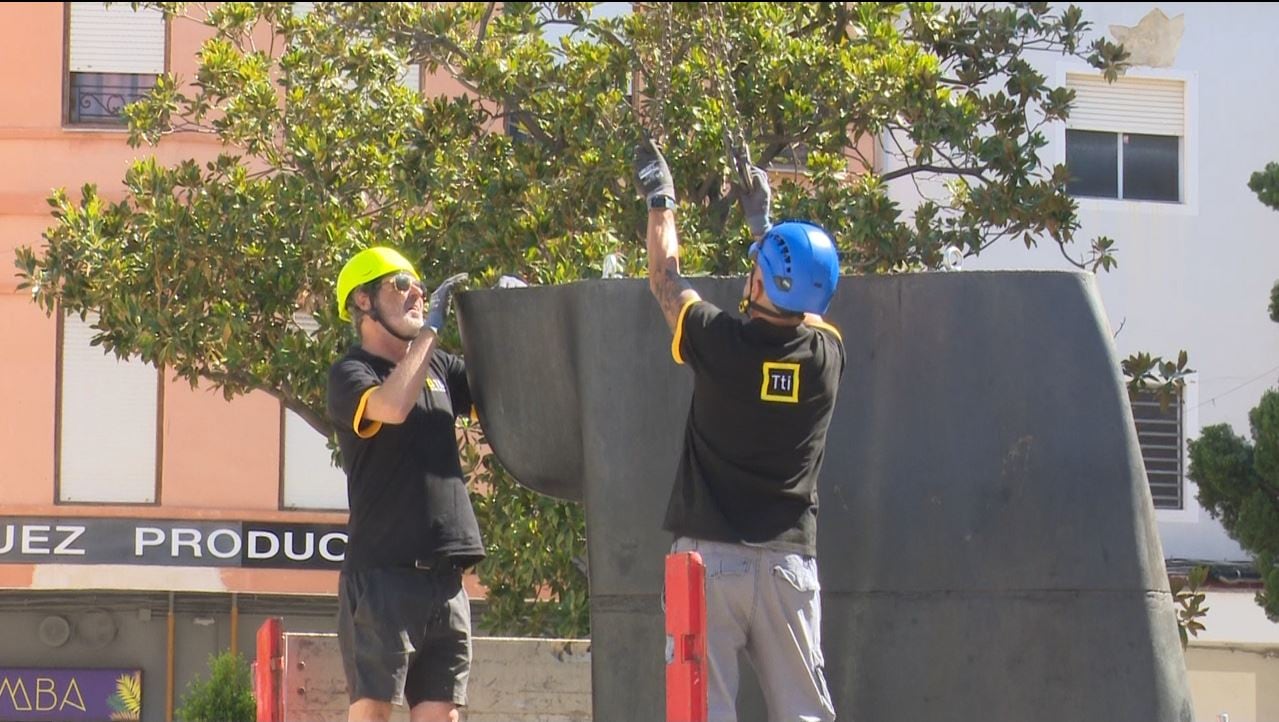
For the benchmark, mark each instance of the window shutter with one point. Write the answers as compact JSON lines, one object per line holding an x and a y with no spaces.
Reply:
{"x":1162,"y":439}
{"x":116,"y":39}
{"x":1153,"y":106}
{"x":412,"y":78}
{"x":311,"y":481}
{"x":108,"y":422}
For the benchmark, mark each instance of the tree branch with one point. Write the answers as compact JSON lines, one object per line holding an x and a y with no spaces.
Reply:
{"x":484,"y":26}
{"x":929,"y":168}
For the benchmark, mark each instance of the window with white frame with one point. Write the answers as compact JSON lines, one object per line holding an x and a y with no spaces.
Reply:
{"x":308,"y":477}
{"x":1161,"y":433}
{"x":1126,"y":140}
{"x":107,"y":422}
{"x":114,"y":56}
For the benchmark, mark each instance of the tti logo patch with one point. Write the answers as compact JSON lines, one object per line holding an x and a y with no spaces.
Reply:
{"x":781,"y":383}
{"x":435,"y":385}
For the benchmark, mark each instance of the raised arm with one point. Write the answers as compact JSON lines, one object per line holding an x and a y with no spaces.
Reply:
{"x":653,"y":177}
{"x":394,"y":399}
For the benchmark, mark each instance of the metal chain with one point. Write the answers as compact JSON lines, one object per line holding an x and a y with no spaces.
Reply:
{"x":734,"y":137}
{"x":658,"y":68}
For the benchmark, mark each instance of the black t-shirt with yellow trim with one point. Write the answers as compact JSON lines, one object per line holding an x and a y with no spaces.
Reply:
{"x":763,"y":396}
{"x":404,"y":481}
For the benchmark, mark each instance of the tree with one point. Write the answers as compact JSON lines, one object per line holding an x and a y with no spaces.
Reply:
{"x":1239,"y":481}
{"x":226,"y":696}
{"x":1239,"y":485}
{"x":203,"y":266}
{"x":1265,"y":183}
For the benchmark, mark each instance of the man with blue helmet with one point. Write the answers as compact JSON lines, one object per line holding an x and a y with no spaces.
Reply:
{"x":745,"y":493}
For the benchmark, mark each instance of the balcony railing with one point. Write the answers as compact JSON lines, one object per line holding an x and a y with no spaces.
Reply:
{"x":98,"y":98}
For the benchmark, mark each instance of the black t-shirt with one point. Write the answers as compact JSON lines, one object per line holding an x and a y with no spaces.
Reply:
{"x":404,"y":481}
{"x":756,"y":434}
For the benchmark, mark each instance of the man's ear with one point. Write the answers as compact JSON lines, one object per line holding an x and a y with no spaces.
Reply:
{"x":362,"y":300}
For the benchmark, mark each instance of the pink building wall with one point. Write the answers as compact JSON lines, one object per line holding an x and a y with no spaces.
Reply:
{"x":219,"y":460}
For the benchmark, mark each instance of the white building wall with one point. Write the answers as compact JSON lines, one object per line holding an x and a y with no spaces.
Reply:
{"x":1196,"y":275}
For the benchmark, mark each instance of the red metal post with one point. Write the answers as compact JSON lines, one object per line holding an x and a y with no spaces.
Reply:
{"x":267,"y":670}
{"x":685,"y":638}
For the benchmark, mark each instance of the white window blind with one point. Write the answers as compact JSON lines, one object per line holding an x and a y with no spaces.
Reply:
{"x":1153,"y":106}
{"x":116,"y":39}
{"x":108,"y":423}
{"x":311,"y":481}
{"x":412,"y":78}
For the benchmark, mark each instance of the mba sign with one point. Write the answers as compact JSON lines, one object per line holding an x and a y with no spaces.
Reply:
{"x":71,"y":695}
{"x":26,"y":540}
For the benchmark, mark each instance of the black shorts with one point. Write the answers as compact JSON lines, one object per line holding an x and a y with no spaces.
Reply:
{"x":405,"y":635}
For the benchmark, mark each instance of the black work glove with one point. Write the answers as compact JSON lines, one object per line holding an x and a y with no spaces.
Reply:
{"x":652,"y":176}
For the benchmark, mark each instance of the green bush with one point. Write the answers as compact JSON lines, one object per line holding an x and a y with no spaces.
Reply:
{"x":226,"y":696}
{"x":536,"y":546}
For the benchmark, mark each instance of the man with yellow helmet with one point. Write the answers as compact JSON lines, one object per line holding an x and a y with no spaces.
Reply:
{"x":404,"y":623}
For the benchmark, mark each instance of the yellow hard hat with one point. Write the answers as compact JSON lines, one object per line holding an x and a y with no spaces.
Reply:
{"x":365,"y":266}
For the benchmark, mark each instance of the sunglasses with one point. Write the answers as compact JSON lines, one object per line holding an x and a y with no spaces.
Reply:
{"x":403,"y":282}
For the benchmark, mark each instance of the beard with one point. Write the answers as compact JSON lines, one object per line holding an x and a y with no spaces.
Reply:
{"x":402,"y":325}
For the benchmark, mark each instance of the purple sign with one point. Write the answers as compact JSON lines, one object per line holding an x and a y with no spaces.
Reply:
{"x":82,"y":695}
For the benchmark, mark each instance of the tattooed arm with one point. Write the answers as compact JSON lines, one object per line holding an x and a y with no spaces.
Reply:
{"x":654,"y":182}
{"x":664,"y":280}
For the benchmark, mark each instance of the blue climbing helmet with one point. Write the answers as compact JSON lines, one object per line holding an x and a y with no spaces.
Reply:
{"x":800,"y":266}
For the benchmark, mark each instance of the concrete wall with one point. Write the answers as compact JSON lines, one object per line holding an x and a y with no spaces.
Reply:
{"x":1234,"y":683}
{"x":512,"y":680}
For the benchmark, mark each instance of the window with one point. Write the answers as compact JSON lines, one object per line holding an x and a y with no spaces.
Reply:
{"x":1161,"y":434}
{"x":411,"y":78}
{"x":311,"y":481}
{"x":113,"y":58}
{"x":308,"y":478}
{"x":1126,"y":140}
{"x":555,"y":29}
{"x":108,"y":420}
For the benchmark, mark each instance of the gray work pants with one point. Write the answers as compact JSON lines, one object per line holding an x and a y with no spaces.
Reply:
{"x":768,"y":603}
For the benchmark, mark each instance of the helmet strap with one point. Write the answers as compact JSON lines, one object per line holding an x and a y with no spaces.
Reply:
{"x":748,"y":304}
{"x":373,"y":314}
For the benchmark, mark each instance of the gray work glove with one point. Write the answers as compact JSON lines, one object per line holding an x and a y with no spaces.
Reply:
{"x":652,"y":176}
{"x":756,"y":199}
{"x":510,"y":282}
{"x":438,"y":313}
